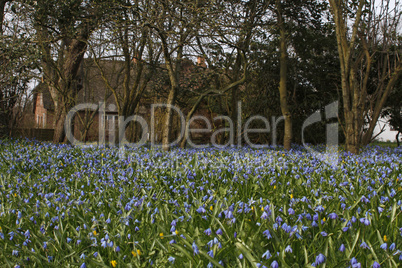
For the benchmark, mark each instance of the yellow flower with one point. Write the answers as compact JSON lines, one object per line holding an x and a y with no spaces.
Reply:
{"x":385,"y":238}
{"x":291,"y":196}
{"x":176,"y":232}
{"x":324,"y":219}
{"x":113,"y":263}
{"x":94,"y":232}
{"x":274,"y":187}
{"x":15,"y":194}
{"x":161,"y":235}
{"x":136,"y":253}
{"x":211,"y":208}
{"x":262,"y":208}
{"x":252,"y":208}
{"x":102,"y":155}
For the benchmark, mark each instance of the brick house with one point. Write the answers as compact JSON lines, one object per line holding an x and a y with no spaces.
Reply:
{"x":94,"y":90}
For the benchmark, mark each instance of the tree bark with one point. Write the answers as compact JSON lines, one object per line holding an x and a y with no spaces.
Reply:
{"x":287,"y":138}
{"x":352,"y":95}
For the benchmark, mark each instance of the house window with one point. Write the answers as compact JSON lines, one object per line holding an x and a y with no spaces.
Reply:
{"x":44,"y":120}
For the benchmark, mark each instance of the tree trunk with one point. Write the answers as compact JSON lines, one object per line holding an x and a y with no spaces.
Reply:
{"x":189,"y":115}
{"x":287,"y":136}
{"x":59,"y":132}
{"x":168,"y":118}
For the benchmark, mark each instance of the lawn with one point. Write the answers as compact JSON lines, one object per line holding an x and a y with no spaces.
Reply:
{"x":62,"y":206}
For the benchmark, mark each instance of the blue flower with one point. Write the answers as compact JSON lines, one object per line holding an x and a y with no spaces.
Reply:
{"x":208,"y":232}
{"x":320,"y":259}
{"x":264,"y":216}
{"x":195,"y":248}
{"x":384,"y":246}
{"x":342,"y":248}
{"x":241,"y":256}
{"x":392,"y":247}
{"x":267,"y":234}
{"x":364,"y":245}
{"x":376,"y":265}
{"x":171,"y":259}
{"x":83,"y":265}
{"x":288,"y":249}
{"x":211,"y":253}
{"x":266,"y":255}
{"x":274,"y":264}
{"x":333,"y":216}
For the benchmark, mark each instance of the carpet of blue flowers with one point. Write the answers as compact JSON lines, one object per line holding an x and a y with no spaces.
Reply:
{"x":105,"y":207}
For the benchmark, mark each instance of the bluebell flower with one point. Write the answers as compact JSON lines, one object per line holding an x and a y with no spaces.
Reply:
{"x":171,"y":259}
{"x":208,"y":232}
{"x":288,"y":249}
{"x":342,"y":248}
{"x":291,"y":211}
{"x":264,"y":216}
{"x":376,"y":265}
{"x":384,"y":246}
{"x":266,"y":255}
{"x":364,"y":245}
{"x":241,"y":256}
{"x":392,"y":247}
{"x":274,"y":264}
{"x":83,"y":265}
{"x":333,"y":216}
{"x":211,"y":253}
{"x":195,"y":249}
{"x":320,"y":259}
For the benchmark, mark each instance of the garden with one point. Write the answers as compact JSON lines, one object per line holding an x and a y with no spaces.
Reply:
{"x":64,"y":206}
